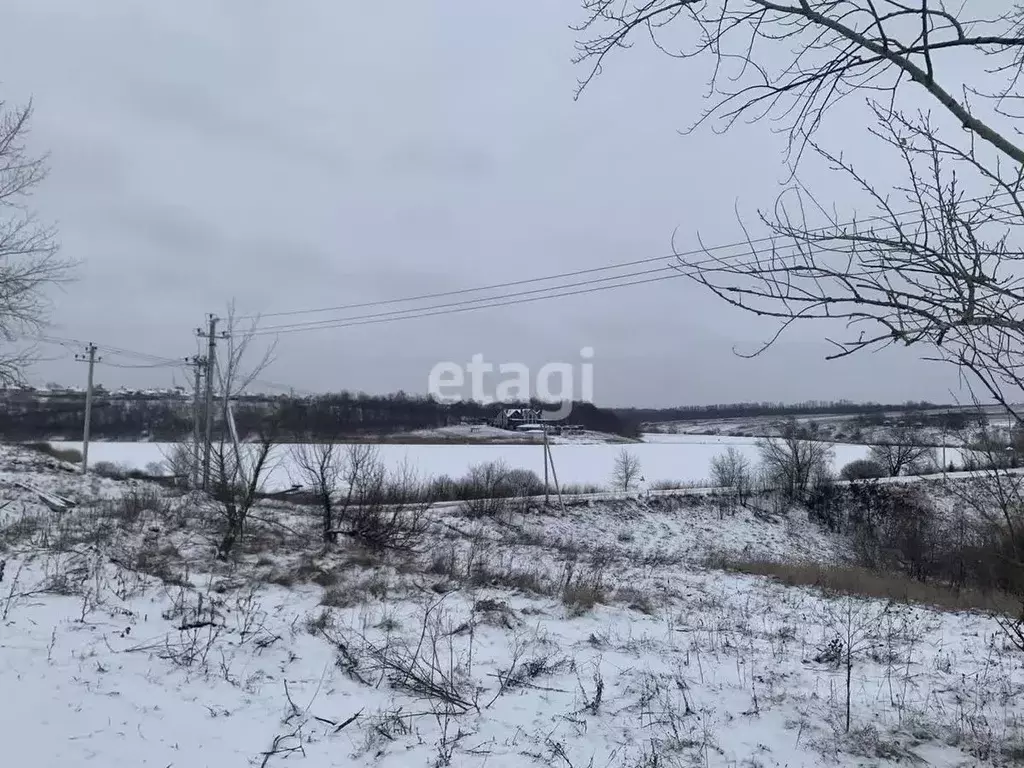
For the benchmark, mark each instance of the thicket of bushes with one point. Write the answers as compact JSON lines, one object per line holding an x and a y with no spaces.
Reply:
{"x":893,"y":528}
{"x":897,"y":528}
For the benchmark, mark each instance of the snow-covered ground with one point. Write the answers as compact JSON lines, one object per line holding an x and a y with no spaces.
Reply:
{"x":840,"y":428}
{"x":676,"y":458}
{"x":485,"y":433}
{"x":590,"y":639}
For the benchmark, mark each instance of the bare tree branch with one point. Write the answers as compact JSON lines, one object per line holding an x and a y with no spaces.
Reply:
{"x":29,"y":260}
{"x":792,"y":61}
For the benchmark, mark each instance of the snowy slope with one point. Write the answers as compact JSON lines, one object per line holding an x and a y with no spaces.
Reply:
{"x":590,"y":638}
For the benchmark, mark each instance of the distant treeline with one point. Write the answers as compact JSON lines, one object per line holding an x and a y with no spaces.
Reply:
{"x":167,"y":418}
{"x":748,"y":410}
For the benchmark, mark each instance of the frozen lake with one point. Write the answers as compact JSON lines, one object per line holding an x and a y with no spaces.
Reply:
{"x":678,"y":458}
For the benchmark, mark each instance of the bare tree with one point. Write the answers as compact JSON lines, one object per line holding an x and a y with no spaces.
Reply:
{"x":943,"y":273}
{"x":321,"y":466}
{"x":29,"y":261}
{"x":237,"y":367}
{"x":794,"y":461}
{"x":239,"y":470}
{"x":239,"y":477}
{"x":732,"y":470}
{"x":901,"y":450}
{"x":626,"y":474}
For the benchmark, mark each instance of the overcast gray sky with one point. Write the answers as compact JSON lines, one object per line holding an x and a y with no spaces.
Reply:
{"x":314,"y":153}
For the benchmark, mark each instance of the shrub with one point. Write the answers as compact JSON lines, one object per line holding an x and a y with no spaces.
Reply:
{"x":488,"y":487}
{"x":732,"y":470}
{"x":110,"y":470}
{"x":795,"y":461}
{"x":128,"y":508}
{"x":385,"y":510}
{"x":580,"y":489}
{"x":862,"y":469}
{"x":524,"y":482}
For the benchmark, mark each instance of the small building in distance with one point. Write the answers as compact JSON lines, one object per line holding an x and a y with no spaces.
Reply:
{"x":513,"y":418}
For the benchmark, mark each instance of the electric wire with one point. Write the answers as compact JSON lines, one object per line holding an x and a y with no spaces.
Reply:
{"x":746,"y":244}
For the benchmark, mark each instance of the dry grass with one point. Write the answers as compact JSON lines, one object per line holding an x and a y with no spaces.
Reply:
{"x":134,"y":502}
{"x":21,"y":529}
{"x":637,"y":600}
{"x":70,"y":455}
{"x":346,"y":594}
{"x":854,"y":580}
{"x":581,"y":596}
{"x":161,"y":562}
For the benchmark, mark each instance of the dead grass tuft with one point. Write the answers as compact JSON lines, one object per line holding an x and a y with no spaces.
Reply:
{"x":637,"y":600}
{"x":130,"y":506}
{"x":20,"y":530}
{"x":580,"y":597}
{"x":854,"y":580}
{"x":159,"y":562}
{"x":351,"y":593}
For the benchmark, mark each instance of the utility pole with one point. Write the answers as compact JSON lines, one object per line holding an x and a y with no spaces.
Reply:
{"x":211,"y":364}
{"x":90,"y":358}
{"x":547,"y":496}
{"x":551,"y":459}
{"x":944,"y":454}
{"x":197,"y":363}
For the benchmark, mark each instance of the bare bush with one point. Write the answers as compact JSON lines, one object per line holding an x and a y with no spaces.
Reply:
{"x":854,"y":626}
{"x":431,"y":667}
{"x":488,"y":487}
{"x":182,"y":462}
{"x":795,"y":460}
{"x":382,"y":509}
{"x":732,"y":470}
{"x":239,"y":474}
{"x":901,"y":450}
{"x":862,"y":469}
{"x":130,"y":505}
{"x":321,"y":466}
{"x":238,"y":479}
{"x":110,"y":470}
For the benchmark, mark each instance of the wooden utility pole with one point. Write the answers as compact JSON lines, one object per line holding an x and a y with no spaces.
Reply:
{"x":554,"y":474}
{"x":90,"y":358}
{"x":197,"y":363}
{"x":210,"y":334}
{"x":547,"y":498}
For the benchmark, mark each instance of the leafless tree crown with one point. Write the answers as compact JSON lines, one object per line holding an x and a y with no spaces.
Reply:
{"x":29,"y":262}
{"x":937,"y":260}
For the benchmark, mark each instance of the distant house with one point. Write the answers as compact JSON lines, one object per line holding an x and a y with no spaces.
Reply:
{"x":514,"y":418}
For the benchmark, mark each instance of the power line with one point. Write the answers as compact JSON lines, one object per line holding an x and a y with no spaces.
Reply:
{"x":109,"y":349}
{"x":606,"y":268}
{"x":523,"y":297}
{"x":144,"y":366}
{"x":350,"y":322}
{"x":310,"y":325}
{"x":457,"y":292}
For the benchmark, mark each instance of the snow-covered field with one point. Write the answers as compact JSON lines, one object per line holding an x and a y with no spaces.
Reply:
{"x":678,"y":458}
{"x":593,"y":639}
